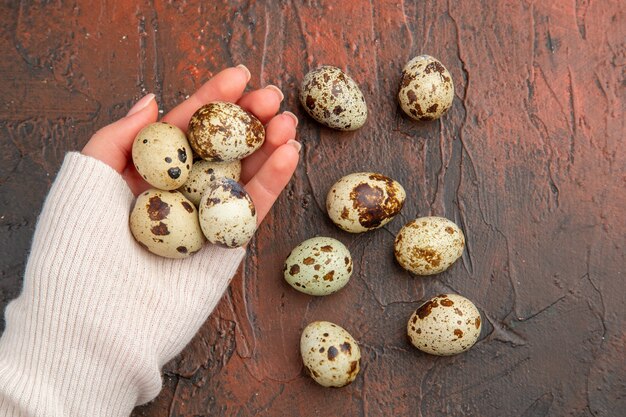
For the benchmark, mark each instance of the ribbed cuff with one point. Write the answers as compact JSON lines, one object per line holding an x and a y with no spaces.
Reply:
{"x":98,"y":315}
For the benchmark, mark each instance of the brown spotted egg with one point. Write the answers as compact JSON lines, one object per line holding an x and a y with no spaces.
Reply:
{"x":332,"y":98}
{"x":166,"y":223}
{"x":364,"y":201}
{"x":227,"y":214}
{"x":445,"y":325}
{"x":203,"y":173}
{"x":222,"y":131}
{"x":318,"y":266}
{"x":426,"y":90}
{"x":162,"y":156}
{"x":429,"y":245}
{"x":330,"y":354}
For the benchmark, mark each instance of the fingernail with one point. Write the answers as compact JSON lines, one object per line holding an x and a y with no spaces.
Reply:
{"x":275,"y":89}
{"x":293,"y":116}
{"x":295,"y":144}
{"x":245,"y":70}
{"x":141,"y":104}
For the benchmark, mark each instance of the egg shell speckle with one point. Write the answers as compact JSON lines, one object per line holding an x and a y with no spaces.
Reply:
{"x":333,"y":98}
{"x":364,"y":201}
{"x":447,"y":324}
{"x":203,"y":173}
{"x":426,"y":89}
{"x":330,"y":354}
{"x":429,"y":245}
{"x":223,"y":132}
{"x":162,"y":155}
{"x":227,"y":214}
{"x":166,"y":223}
{"x":318,"y":266}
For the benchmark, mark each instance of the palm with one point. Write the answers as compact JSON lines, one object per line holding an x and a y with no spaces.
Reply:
{"x":264,"y":173}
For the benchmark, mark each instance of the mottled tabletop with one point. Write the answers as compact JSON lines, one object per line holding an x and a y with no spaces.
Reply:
{"x":529,"y":161}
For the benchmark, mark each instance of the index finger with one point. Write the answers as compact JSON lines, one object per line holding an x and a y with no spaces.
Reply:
{"x":227,"y":85}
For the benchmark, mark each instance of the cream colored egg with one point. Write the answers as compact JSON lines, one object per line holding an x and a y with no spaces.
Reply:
{"x":445,"y":325}
{"x":429,"y":245}
{"x":166,"y":223}
{"x":162,"y":155}
{"x":227,"y":214}
{"x":332,"y":98}
{"x":426,"y":89}
{"x":318,"y":266}
{"x":330,"y":354}
{"x":203,"y":173}
{"x":364,"y":201}
{"x":223,"y":132}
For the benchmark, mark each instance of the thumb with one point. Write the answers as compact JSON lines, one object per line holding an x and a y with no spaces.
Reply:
{"x":113,"y":143}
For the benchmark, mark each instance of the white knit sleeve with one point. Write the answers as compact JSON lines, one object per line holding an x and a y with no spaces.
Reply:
{"x":98,"y":315}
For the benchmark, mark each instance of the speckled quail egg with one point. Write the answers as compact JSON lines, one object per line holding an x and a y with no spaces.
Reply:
{"x":222,"y":131}
{"x":426,"y":90}
{"x":203,"y":173}
{"x":318,"y":266}
{"x":227,"y":214}
{"x":332,"y":98}
{"x":364,"y":201}
{"x":162,"y":155}
{"x":428,"y":245}
{"x":166,"y":223}
{"x":445,"y":325}
{"x":330,"y":354}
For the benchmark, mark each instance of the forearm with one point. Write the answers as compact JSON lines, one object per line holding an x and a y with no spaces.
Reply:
{"x":90,"y":331}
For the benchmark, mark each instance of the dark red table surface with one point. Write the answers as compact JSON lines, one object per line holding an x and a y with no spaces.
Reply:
{"x":529,"y":161}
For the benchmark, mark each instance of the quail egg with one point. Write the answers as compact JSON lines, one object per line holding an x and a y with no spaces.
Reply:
{"x":166,"y":223}
{"x":445,"y":325}
{"x":428,"y":245}
{"x":426,"y":90}
{"x":162,"y":156}
{"x":364,"y":201}
{"x":330,"y":354}
{"x":227,"y":214}
{"x":222,"y":131}
{"x":204,"y":172}
{"x":318,"y":266}
{"x":332,"y":98}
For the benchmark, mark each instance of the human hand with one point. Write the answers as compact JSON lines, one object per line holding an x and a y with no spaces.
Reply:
{"x":264,"y":173}
{"x":95,"y":306}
